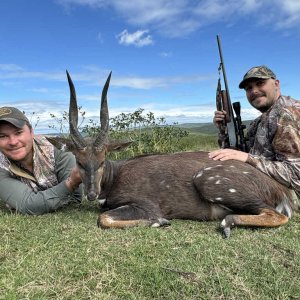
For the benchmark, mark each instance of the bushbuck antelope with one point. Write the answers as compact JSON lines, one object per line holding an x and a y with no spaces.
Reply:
{"x":151,"y":189}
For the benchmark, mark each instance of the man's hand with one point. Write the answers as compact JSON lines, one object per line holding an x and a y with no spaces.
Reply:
{"x":219,"y":117}
{"x":226,"y":154}
{"x":74,"y":180}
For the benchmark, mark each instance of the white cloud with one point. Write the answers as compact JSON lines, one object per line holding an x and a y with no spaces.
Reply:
{"x":177,"y":18}
{"x":289,"y":16}
{"x":17,"y":72}
{"x":92,"y":3}
{"x":216,"y":10}
{"x":10,"y":67}
{"x":100,"y":38}
{"x":39,"y":90}
{"x":138,"y":38}
{"x":91,"y":74}
{"x":165,"y":54}
{"x":157,"y":82}
{"x":94,"y":76}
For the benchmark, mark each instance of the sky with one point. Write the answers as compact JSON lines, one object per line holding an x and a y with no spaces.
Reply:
{"x":163,"y":54}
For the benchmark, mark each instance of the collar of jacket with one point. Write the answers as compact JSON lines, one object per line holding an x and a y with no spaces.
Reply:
{"x":19,"y":172}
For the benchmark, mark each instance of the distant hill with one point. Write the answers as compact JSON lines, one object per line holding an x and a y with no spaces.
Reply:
{"x":199,"y":128}
{"x":203,"y":128}
{"x":193,"y":128}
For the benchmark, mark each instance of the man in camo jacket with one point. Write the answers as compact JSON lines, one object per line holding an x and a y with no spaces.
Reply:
{"x":274,"y":137}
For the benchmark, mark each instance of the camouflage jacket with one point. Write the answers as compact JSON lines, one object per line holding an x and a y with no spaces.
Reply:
{"x":44,"y":175}
{"x":274,"y":142}
{"x":42,"y":191}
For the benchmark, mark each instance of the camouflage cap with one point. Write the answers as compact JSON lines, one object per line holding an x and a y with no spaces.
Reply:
{"x":13,"y":116}
{"x":262,"y":72}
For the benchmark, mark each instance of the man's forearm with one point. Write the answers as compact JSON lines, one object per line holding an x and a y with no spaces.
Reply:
{"x":285,"y":172}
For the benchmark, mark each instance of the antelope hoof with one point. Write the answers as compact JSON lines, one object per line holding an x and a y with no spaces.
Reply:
{"x":226,"y":228}
{"x":160,"y":222}
{"x":226,"y":232}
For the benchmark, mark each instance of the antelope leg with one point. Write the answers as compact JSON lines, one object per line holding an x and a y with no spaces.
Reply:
{"x":267,"y":217}
{"x":129,"y":216}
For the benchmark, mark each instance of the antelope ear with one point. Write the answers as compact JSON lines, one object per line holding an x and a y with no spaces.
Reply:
{"x":118,"y":145}
{"x":60,"y":143}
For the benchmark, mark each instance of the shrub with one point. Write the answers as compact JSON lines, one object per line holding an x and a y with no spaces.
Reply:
{"x":148,"y":133}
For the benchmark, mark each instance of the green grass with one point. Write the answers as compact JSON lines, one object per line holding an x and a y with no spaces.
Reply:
{"x":199,"y":141}
{"x":64,"y":255}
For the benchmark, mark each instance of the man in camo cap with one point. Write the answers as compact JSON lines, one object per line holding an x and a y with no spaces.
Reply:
{"x":260,"y":72}
{"x":35,"y":177}
{"x":274,"y":137}
{"x":261,"y":86}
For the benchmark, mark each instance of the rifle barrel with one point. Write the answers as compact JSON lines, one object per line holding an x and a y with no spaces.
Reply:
{"x":232,"y":125}
{"x":236,"y":124}
{"x":223,"y":67}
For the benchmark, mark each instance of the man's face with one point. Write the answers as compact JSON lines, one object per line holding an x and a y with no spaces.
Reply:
{"x":262,"y":93}
{"x":16,"y":143}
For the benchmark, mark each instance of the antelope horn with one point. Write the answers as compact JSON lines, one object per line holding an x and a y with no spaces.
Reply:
{"x":73,"y":117}
{"x":104,"y":117}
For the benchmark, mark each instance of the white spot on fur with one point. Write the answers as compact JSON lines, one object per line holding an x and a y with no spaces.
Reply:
{"x":246,"y":172}
{"x":199,"y":174}
{"x":223,"y":223}
{"x":232,"y":166}
{"x":217,"y":176}
{"x":213,"y":167}
{"x":218,"y":198}
{"x":101,"y":202}
{"x":225,"y":178}
{"x":167,"y":186}
{"x":211,"y":178}
{"x":232,"y":190}
{"x":218,"y":181}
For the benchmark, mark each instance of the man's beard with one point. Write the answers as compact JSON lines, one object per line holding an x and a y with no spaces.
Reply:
{"x":261,"y":107}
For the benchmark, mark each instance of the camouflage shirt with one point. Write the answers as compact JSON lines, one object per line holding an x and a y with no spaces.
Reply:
{"x":274,"y":142}
{"x":44,"y":175}
{"x":42,"y":191}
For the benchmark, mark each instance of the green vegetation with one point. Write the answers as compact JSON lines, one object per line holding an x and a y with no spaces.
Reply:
{"x":65,"y":256}
{"x":147,"y":133}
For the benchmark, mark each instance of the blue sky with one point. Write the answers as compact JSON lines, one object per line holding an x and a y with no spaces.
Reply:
{"x":163,"y":54}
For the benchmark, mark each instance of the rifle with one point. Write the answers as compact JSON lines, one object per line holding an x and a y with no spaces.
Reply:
{"x":231,"y":131}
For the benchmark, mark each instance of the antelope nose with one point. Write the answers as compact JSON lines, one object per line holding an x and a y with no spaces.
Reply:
{"x":91,"y":196}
